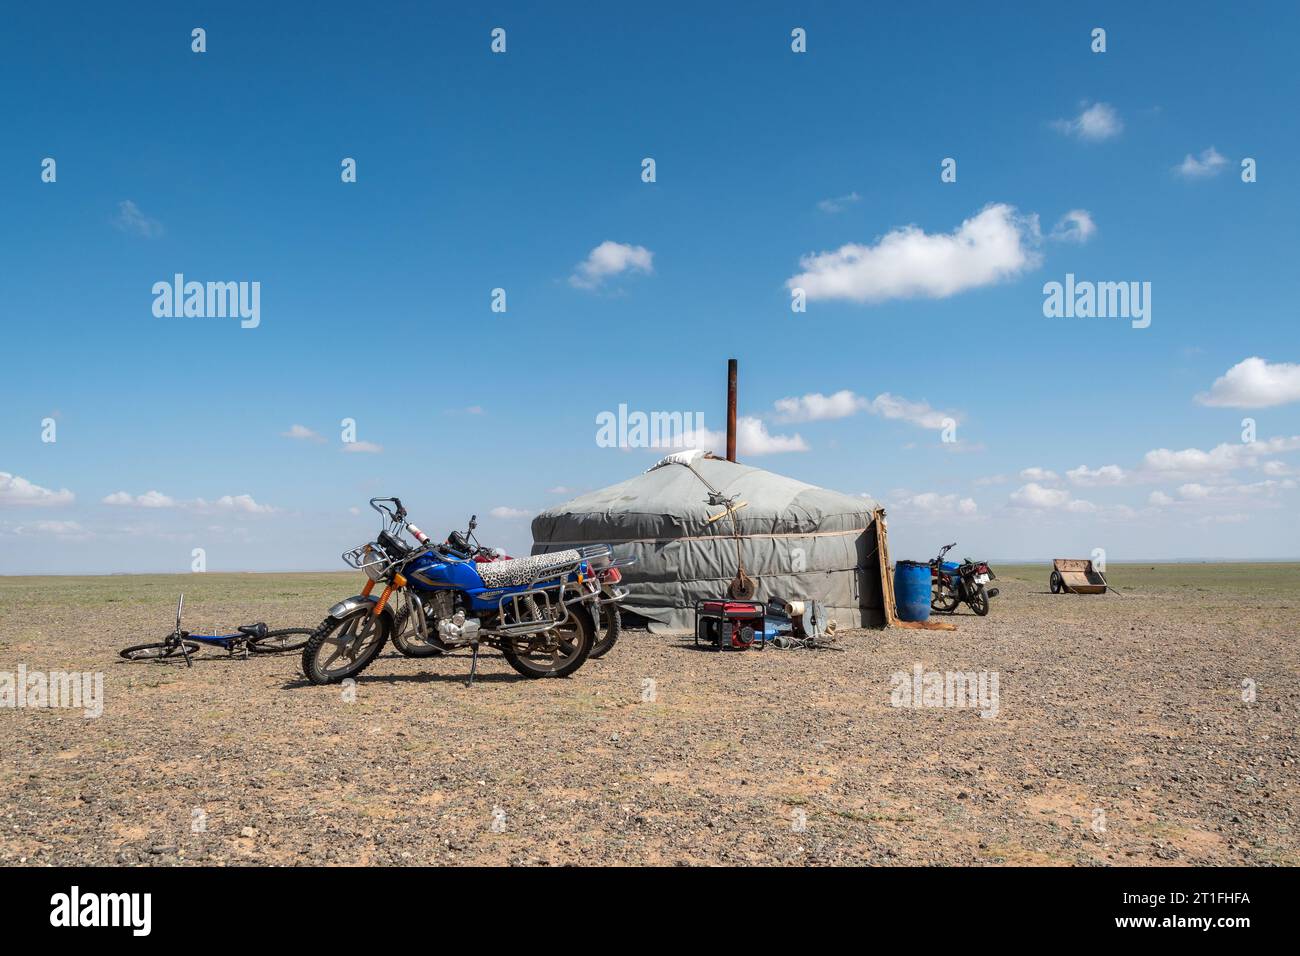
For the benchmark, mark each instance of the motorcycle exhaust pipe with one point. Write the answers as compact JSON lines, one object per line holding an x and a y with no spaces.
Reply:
{"x":993,"y":592}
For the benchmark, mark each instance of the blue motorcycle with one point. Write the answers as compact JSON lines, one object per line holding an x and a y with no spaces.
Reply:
{"x":540,"y":611}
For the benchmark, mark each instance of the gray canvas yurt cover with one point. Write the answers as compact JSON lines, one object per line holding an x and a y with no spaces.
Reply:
{"x":797,"y":541}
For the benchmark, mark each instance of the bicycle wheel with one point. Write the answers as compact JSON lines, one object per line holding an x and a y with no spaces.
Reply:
{"x":285,"y":639}
{"x":161,"y":651}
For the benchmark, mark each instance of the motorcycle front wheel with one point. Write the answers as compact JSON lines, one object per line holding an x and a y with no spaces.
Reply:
{"x":343,"y":647}
{"x":556,"y":653}
{"x":943,"y":599}
{"x":979,"y":601}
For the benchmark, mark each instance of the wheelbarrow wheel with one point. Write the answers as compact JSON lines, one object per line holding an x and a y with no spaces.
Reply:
{"x":1057,"y":584}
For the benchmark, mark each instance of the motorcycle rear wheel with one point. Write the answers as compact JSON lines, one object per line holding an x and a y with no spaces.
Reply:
{"x":979,"y":601}
{"x":530,"y":657}
{"x":356,"y":638}
{"x":611,"y":626}
{"x":409,"y":644}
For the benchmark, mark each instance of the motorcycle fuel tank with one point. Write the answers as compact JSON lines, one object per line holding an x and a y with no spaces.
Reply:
{"x":431,"y":572}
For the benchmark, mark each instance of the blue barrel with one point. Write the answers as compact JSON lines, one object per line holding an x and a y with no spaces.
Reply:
{"x":912,"y":590}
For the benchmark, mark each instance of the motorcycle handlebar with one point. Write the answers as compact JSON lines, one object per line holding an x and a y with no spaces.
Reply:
{"x":397,"y":514}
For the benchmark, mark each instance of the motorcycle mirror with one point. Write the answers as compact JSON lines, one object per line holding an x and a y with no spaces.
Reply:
{"x":473,"y":522}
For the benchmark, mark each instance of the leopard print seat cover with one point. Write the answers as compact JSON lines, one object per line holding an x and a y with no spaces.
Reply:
{"x":517,"y":571}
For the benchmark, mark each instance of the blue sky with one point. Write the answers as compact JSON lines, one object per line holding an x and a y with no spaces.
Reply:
{"x":478,"y":171}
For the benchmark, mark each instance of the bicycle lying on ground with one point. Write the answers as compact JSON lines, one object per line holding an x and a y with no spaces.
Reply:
{"x":247,"y":637}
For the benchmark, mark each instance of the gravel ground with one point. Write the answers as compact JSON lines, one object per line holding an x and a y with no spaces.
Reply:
{"x":1121,"y":737}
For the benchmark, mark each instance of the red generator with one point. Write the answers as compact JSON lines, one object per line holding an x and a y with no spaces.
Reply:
{"x":737,"y":625}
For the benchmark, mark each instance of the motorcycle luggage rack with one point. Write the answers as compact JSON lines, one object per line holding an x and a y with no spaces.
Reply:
{"x":541,"y":586}
{"x":617,"y":594}
{"x":366,"y":556}
{"x":525,"y":621}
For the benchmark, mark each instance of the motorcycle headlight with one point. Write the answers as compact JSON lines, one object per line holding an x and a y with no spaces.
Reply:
{"x":374,"y":559}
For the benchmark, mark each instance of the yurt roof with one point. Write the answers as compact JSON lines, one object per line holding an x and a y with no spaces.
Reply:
{"x":673,"y":499}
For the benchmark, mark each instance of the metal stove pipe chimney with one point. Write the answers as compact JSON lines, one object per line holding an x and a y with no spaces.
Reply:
{"x":731,"y":409}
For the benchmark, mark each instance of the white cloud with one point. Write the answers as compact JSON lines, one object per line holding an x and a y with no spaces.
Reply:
{"x":131,"y":220}
{"x":150,"y":499}
{"x":1163,"y":463}
{"x":46,"y":529}
{"x":610,"y":259}
{"x":59,"y":528}
{"x":1254,"y":383}
{"x":931,"y":504}
{"x":1041,"y":475}
{"x":244,"y":503}
{"x":302,"y":433}
{"x":1223,"y":519}
{"x":560,"y":490}
{"x":501,"y":511}
{"x":19,"y":492}
{"x":1075,"y":226}
{"x":915,"y":413}
{"x":1039,"y":498}
{"x":838,"y":203}
{"x":362,"y":448}
{"x":818,"y":407}
{"x":1096,"y":122}
{"x":158,"y":500}
{"x":994,"y":245}
{"x":1089,"y":477}
{"x":1206,"y":498}
{"x":752,"y":439}
{"x":1193,"y":464}
{"x":1209,"y":163}
{"x":1196,"y":491}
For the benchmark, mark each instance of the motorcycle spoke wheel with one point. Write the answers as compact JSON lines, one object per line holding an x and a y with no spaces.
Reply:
{"x":609,"y":630}
{"x":348,"y":648}
{"x":944,"y":599}
{"x":554,"y":654}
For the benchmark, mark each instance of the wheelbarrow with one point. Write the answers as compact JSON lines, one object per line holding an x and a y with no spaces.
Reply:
{"x":1077,"y":576}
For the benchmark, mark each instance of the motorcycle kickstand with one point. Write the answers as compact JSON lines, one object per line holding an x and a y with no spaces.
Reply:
{"x":473,"y":666}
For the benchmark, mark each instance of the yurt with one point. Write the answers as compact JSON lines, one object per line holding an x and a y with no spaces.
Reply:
{"x":693,"y":521}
